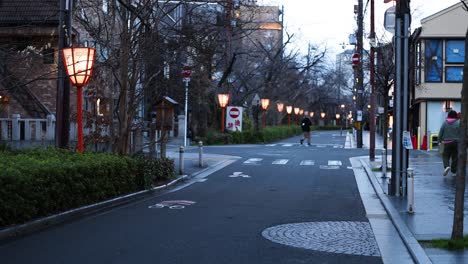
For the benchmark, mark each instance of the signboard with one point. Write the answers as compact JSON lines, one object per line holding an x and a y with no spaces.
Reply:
{"x":355,"y":59}
{"x":186,"y":71}
{"x":234,"y":118}
{"x":407,"y":144}
{"x":359,"y":116}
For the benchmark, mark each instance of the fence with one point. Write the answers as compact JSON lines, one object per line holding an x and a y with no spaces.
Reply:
{"x":27,"y":132}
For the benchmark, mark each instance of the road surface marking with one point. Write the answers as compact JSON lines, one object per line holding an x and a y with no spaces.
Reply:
{"x":254,"y":161}
{"x":176,"y":204}
{"x":280,"y":161}
{"x":270,"y":145}
{"x":288,"y":145}
{"x":238,"y":174}
{"x":326,"y":167}
{"x":334,"y":163}
{"x":307,"y":162}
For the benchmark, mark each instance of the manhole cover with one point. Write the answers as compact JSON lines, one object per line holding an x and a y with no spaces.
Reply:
{"x":354,"y":238}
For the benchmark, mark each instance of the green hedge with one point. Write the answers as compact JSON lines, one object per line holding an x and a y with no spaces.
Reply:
{"x":37,"y":183}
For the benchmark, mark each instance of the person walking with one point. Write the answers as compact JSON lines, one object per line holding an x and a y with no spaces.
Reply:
{"x":449,"y":137}
{"x":305,"y":125}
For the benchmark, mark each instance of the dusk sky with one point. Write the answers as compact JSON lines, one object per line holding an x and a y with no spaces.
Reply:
{"x":329,"y":23}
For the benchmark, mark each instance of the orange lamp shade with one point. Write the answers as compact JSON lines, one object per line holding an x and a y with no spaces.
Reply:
{"x":289,"y":109}
{"x":301,"y":112}
{"x":296,"y":110}
{"x":311,"y":114}
{"x":223,"y":100}
{"x":280,"y":107}
{"x":337,"y":116}
{"x":265,"y":103}
{"x":79,"y":64}
{"x":322,"y":114}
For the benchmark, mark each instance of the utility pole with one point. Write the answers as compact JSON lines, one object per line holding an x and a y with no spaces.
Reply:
{"x":62,"y":124}
{"x":372,"y":83}
{"x":400,"y":155}
{"x":360,"y":73}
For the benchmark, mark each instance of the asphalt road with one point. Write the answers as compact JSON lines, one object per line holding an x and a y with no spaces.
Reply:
{"x":266,"y":207}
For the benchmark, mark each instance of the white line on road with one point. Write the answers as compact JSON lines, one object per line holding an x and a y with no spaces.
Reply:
{"x":254,"y":161}
{"x":280,"y":161}
{"x":307,"y":162}
{"x":334,"y":163}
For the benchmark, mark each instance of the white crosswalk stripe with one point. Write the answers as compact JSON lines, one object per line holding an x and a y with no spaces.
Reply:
{"x":280,"y":161}
{"x":307,"y":162}
{"x":334,"y":163}
{"x":330,"y":164}
{"x":254,"y":161}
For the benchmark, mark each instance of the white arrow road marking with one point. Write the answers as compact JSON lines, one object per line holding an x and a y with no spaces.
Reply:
{"x":280,"y":161}
{"x":307,"y":162}
{"x":254,"y":161}
{"x":238,"y":174}
{"x":334,"y":163}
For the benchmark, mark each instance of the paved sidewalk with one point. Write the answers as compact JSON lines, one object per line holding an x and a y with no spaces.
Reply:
{"x":434,"y":201}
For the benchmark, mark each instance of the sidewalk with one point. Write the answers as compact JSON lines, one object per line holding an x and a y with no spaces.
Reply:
{"x":434,"y":201}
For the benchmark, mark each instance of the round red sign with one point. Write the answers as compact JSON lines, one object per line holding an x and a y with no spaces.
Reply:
{"x":234,"y":112}
{"x":355,"y":58}
{"x":186,"y":71}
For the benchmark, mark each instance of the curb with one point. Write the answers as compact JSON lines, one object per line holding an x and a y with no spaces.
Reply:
{"x":42,"y":223}
{"x":414,"y":248}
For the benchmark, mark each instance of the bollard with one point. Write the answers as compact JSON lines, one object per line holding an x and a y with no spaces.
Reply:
{"x":181,"y":160}
{"x":384,"y":163}
{"x":200,"y":154}
{"x":410,"y":183}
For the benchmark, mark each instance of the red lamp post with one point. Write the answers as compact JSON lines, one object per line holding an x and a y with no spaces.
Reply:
{"x":296,"y":112}
{"x":280,"y":107}
{"x":289,"y":111}
{"x":223,"y":100}
{"x":79,"y":64}
{"x":265,"y":103}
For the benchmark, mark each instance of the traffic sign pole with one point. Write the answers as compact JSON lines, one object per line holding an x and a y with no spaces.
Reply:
{"x":186,"y":73}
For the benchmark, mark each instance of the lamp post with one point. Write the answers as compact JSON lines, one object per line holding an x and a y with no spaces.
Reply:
{"x":223,"y":100}
{"x":280,"y":107}
{"x":5,"y":100}
{"x":265,"y":103}
{"x":296,"y":112}
{"x":311,"y":114}
{"x":322,"y":115}
{"x":289,"y":111}
{"x":79,"y":64}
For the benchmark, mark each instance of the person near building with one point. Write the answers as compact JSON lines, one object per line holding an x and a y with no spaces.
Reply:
{"x":449,"y":137}
{"x":305,"y":125}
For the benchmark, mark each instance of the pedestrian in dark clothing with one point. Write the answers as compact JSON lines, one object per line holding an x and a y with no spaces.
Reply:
{"x":449,"y":135}
{"x":305,"y":125}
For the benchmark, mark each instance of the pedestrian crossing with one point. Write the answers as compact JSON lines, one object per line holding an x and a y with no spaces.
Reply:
{"x":305,"y":145}
{"x":330,"y":164}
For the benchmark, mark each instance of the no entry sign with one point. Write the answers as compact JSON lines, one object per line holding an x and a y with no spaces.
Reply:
{"x":234,"y":112}
{"x":234,"y":118}
{"x":355,"y":59}
{"x":186,"y":71}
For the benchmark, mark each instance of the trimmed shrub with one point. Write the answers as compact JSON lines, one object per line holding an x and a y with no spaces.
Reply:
{"x":36,"y":183}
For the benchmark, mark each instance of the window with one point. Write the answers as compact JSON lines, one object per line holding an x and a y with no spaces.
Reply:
{"x":454,"y":74}
{"x":418,"y":63}
{"x":433,"y":60}
{"x":455,"y":51}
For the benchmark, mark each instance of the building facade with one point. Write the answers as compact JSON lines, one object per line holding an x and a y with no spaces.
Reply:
{"x":439,"y":59}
